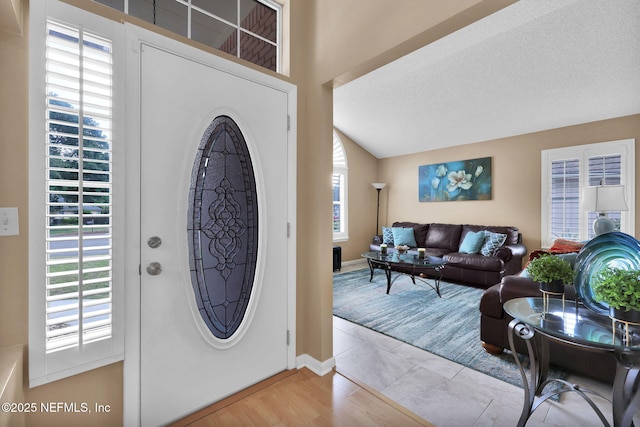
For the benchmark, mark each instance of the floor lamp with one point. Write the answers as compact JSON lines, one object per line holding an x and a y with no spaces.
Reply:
{"x":378,"y":186}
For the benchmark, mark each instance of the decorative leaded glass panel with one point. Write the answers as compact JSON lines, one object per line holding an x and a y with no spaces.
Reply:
{"x":223,"y":227}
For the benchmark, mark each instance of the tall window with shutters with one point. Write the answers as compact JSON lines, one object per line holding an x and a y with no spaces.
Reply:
{"x":565,"y":171}
{"x":75,"y":227}
{"x":339,"y":185}
{"x":78,"y":188}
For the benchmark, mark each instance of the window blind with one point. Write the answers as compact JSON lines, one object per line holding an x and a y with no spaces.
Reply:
{"x":339,"y":156}
{"x":78,"y":188}
{"x":604,"y":170}
{"x":339,"y":183}
{"x":565,"y":199}
{"x":338,"y":203}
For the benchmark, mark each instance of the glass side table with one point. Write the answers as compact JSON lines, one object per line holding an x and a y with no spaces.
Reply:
{"x":573,"y":324}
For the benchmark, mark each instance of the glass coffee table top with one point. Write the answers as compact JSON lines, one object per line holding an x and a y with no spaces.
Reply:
{"x":572,"y":323}
{"x":407,"y":263}
{"x":405,"y":258}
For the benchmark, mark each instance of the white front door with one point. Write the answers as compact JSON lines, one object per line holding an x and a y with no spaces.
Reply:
{"x":183,"y":367}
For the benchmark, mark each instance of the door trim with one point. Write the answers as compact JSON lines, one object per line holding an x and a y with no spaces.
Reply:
{"x":134,"y":38}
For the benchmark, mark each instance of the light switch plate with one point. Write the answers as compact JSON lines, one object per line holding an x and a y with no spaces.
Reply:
{"x":9,"y":222}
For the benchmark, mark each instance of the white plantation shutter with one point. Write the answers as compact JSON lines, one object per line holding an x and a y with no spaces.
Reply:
{"x":338,"y":205}
{"x":565,"y":171}
{"x":339,"y":188}
{"x":339,"y":156}
{"x":605,"y":170}
{"x":565,"y":199}
{"x":79,"y":191}
{"x":75,"y":274}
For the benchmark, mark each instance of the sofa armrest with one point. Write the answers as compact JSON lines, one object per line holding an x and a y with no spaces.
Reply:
{"x":490,"y":304}
{"x":507,"y":252}
{"x":518,"y":287}
{"x":510,"y":287}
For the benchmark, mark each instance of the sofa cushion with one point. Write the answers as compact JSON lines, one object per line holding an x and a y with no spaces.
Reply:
{"x":419,"y":230}
{"x":444,"y":236}
{"x":387,"y":235}
{"x":474,"y":261}
{"x":404,"y":236}
{"x":492,"y":241}
{"x":513,"y":235}
{"x":437,"y":252}
{"x":472,"y":242}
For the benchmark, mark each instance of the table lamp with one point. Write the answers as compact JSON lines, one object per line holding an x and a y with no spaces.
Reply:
{"x":603,"y":199}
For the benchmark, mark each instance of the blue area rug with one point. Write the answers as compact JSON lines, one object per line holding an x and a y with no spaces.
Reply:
{"x":447,"y":326}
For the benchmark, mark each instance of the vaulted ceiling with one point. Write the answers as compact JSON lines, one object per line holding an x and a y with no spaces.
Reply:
{"x":535,"y":65}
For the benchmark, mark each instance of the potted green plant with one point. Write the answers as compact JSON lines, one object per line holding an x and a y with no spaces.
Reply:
{"x":620,"y":289}
{"x":551,"y":272}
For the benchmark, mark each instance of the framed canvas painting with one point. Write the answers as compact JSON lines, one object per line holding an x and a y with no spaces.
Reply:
{"x":455,"y":181}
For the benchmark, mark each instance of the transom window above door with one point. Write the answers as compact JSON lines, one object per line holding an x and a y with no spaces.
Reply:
{"x":247,"y":29}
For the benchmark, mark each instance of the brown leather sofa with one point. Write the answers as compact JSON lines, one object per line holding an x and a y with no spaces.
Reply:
{"x":443,"y":240}
{"x":494,"y":324}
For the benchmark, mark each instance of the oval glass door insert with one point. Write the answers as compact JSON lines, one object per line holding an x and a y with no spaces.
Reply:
{"x":223,"y":227}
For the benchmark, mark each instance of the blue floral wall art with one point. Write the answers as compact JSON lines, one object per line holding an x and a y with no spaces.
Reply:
{"x":455,"y":181}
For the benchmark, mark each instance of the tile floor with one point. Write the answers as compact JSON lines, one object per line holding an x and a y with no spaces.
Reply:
{"x":445,"y":393}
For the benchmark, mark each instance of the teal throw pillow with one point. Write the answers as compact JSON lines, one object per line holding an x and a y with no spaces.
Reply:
{"x":387,"y":235}
{"x":404,"y":236}
{"x":492,"y":241}
{"x":570,"y":257}
{"x":472,"y":242}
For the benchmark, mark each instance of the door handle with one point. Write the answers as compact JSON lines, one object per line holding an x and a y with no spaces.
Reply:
{"x":154,"y":268}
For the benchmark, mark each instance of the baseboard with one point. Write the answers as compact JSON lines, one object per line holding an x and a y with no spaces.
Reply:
{"x":356,"y":261}
{"x":314,"y":365}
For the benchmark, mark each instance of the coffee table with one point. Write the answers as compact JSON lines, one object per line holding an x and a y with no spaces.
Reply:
{"x":407,"y":263}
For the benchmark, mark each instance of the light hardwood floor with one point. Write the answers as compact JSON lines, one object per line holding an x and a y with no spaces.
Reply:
{"x":302,"y":398}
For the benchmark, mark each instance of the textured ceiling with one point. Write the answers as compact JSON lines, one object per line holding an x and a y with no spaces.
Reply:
{"x":535,"y":65}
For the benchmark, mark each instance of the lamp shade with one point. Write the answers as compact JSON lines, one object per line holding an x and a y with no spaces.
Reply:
{"x":378,"y":185}
{"x":604,"y":198}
